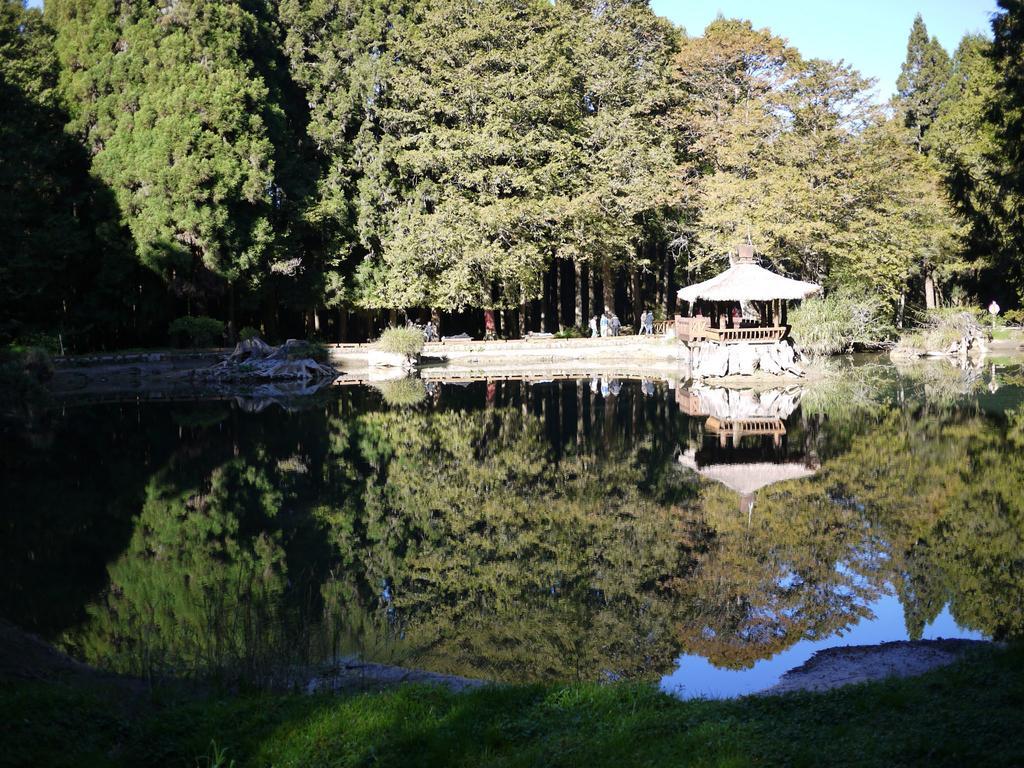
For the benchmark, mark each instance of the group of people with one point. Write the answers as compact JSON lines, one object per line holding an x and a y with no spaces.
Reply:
{"x":608,"y":324}
{"x":605,"y":387}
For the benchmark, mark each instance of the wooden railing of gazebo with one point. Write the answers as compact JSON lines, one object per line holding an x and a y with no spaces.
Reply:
{"x":740,"y":428}
{"x":691,"y":329}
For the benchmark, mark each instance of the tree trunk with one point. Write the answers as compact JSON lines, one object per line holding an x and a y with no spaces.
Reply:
{"x":638,"y":297}
{"x":582,"y":315}
{"x":900,"y":310}
{"x":569,"y":292}
{"x":929,"y":290}
{"x":670,"y":285}
{"x":607,"y":287}
{"x":232,"y":331}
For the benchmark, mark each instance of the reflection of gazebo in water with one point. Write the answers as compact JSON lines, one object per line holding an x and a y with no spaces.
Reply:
{"x":741,"y":443}
{"x":758,"y":295}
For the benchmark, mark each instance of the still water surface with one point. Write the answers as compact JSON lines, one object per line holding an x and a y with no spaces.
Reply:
{"x":583,"y":529}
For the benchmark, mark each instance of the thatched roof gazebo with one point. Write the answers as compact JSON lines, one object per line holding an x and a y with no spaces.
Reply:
{"x":734,"y":416}
{"x":756,"y":296}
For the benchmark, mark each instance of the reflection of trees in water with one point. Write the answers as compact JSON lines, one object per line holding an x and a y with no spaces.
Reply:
{"x":193,"y":592}
{"x":947,"y":497}
{"x":547,"y":534}
{"x":798,"y":567}
{"x":508,"y":563}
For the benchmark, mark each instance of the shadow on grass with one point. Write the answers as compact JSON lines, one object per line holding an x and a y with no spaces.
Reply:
{"x":967,"y":714}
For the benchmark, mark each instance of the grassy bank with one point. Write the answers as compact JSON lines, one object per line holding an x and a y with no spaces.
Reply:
{"x":968,"y":714}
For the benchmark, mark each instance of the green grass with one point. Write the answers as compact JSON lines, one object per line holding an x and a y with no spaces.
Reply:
{"x":1003,"y":333}
{"x":968,"y":714}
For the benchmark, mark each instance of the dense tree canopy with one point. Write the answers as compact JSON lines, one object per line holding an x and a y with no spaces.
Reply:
{"x":264,"y":162}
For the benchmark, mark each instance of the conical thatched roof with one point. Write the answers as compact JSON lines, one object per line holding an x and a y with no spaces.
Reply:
{"x":747,"y":478}
{"x":746,"y":281}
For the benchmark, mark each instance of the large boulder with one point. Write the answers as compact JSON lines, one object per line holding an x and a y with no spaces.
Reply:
{"x":742,"y":359}
{"x":713,"y":361}
{"x":769,"y":360}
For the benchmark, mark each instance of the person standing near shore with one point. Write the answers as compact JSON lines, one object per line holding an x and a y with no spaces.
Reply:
{"x":615,"y":325}
{"x":593,"y":327}
{"x":604,"y":325}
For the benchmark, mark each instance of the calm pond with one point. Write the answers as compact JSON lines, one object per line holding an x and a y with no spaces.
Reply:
{"x":571,"y":530}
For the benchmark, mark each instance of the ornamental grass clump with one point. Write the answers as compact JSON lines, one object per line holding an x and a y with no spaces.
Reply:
{"x":840,"y":322}
{"x":402,"y":341}
{"x":403,"y":393}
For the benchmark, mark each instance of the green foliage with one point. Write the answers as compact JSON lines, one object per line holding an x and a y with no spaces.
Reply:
{"x":248,"y":332}
{"x":196,"y":332}
{"x":839,"y":322}
{"x":403,"y":393}
{"x":572,"y":332}
{"x":792,"y":153}
{"x":265,"y":160}
{"x":176,"y":116}
{"x":922,"y":82}
{"x":63,"y":268}
{"x":308,"y":349}
{"x":1005,"y":212}
{"x":402,"y":341}
{"x":1014,"y":317}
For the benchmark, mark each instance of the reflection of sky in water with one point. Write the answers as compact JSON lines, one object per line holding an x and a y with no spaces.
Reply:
{"x":696,"y":676}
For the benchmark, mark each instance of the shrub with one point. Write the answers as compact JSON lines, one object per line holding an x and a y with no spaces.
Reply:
{"x":839,"y":322}
{"x":940,"y":328}
{"x":403,"y":393}
{"x":300,"y":350}
{"x":573,"y":332}
{"x":1014,"y":317}
{"x":248,"y":332}
{"x":403,"y":341}
{"x":196,"y":331}
{"x":45,"y":342}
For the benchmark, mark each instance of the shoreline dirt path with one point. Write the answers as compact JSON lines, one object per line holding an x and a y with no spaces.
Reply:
{"x":848,"y":665}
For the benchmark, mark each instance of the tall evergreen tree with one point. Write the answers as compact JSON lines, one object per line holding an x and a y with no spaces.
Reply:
{"x":166,"y":98}
{"x":36,"y":210}
{"x":963,"y":140}
{"x":922,"y":81}
{"x":1008,"y":158}
{"x":476,"y":155}
{"x":341,"y":54}
{"x":626,"y":185}
{"x":64,"y":278}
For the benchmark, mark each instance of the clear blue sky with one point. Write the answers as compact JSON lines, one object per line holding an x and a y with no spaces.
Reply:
{"x":869,"y":34}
